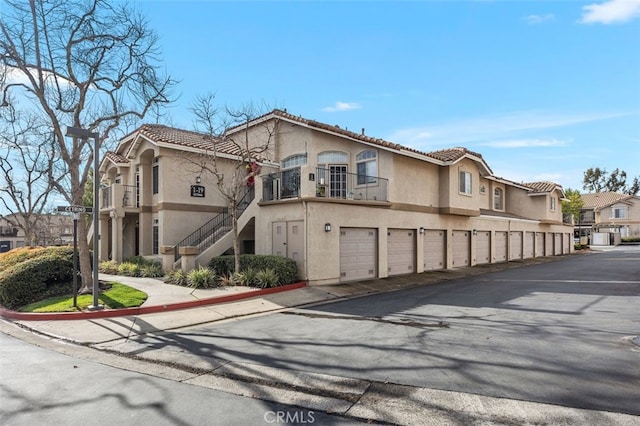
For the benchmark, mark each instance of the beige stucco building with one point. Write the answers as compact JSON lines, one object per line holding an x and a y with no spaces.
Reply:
{"x":610,"y":212}
{"x":343,"y":205}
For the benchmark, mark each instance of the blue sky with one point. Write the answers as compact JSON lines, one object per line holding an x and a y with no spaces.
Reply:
{"x":543,"y":90}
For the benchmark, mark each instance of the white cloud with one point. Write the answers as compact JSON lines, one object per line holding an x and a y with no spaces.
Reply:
{"x":490,"y":128}
{"x":539,"y":19}
{"x":524,"y":143}
{"x":610,"y":12}
{"x":342,"y":106}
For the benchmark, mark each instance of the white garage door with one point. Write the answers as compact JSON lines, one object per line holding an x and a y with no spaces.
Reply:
{"x":539,"y":244}
{"x":529,"y":242}
{"x":501,"y":246}
{"x":461,"y":245}
{"x":358,"y":254}
{"x":548,"y":244}
{"x":435,"y":250}
{"x":515,"y":250}
{"x":565,"y":243}
{"x":483,"y":247}
{"x":401,"y":251}
{"x":557,"y":243}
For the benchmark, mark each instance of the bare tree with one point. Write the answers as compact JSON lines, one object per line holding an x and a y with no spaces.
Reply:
{"x":26,"y":165}
{"x":91,"y":64}
{"x":229,"y":130}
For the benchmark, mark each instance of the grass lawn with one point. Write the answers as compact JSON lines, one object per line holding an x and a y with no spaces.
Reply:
{"x":116,"y":296}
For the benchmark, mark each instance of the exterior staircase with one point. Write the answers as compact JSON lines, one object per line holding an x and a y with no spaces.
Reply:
{"x":216,"y":236}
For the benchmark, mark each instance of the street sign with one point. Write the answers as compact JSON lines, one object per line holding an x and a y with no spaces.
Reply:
{"x":75,"y":209}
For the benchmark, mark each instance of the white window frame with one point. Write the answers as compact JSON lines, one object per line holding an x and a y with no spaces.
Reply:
{"x":553,"y":204}
{"x":498,"y":199}
{"x":369,"y":160}
{"x":624,"y":212}
{"x":465,"y":184}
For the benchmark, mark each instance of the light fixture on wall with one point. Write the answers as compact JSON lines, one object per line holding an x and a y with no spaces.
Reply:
{"x":421,"y":230}
{"x":327,"y":227}
{"x":475,"y":232}
{"x":198,"y":180}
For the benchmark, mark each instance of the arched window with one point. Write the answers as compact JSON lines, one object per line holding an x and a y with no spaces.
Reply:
{"x":497,"y":199}
{"x":367,"y":167}
{"x":294,"y":161}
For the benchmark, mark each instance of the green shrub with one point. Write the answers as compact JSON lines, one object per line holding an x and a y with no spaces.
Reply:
{"x":285,"y":268}
{"x":177,"y":277}
{"x":228,"y":280}
{"x":138,"y":260}
{"x":631,"y":240}
{"x":108,"y":267}
{"x":247,"y":277}
{"x":202,"y":277}
{"x":31,"y":275}
{"x":152,"y":270}
{"x":267,"y":278}
{"x":129,"y":269}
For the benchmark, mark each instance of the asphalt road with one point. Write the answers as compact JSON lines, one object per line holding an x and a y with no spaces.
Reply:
{"x":557,"y":333}
{"x":43,"y":387}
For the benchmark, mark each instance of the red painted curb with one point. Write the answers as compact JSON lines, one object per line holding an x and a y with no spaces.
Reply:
{"x":109,"y":313}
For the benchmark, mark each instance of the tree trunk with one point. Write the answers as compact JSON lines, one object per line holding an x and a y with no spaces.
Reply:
{"x":236,"y":242}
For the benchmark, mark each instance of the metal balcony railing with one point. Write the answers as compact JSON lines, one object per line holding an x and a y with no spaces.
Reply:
{"x":334,"y":183}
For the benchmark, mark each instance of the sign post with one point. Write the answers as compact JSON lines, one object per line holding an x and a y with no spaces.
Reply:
{"x":76,"y":210}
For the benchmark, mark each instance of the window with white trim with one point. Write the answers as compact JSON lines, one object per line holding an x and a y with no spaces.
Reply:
{"x":619,"y":212}
{"x":367,"y":167}
{"x":554,"y":201}
{"x":465,"y":183}
{"x":497,"y":199}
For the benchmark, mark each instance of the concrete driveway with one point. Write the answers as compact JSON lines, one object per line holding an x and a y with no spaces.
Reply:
{"x":556,"y":333}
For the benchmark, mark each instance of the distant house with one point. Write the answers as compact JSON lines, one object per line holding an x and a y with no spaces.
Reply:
{"x":49,"y":229}
{"x":345,"y":206}
{"x":609,"y":212}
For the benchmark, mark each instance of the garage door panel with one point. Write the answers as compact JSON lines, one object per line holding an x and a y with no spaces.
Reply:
{"x":548,"y":244}
{"x":501,"y":246}
{"x":557,"y":243}
{"x":358,"y":254}
{"x":539,"y":244}
{"x":401,"y":251}
{"x":435,"y":249}
{"x":461,"y":245}
{"x":529,"y":243}
{"x":483,"y":247}
{"x":515,"y":249}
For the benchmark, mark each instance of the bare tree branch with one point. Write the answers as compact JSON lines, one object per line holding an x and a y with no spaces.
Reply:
{"x":92,"y":64}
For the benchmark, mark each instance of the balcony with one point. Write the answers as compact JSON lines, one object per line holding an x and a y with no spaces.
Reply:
{"x":118,"y":195}
{"x":333,"y":183}
{"x":8,"y":231}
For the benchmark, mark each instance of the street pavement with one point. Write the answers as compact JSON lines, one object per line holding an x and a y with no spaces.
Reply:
{"x":118,"y":342}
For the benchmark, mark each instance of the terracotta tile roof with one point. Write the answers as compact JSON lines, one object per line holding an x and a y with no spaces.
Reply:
{"x":542,"y":187}
{"x":599,"y":200}
{"x":452,"y":154}
{"x":116,"y":158}
{"x":170,"y":135}
{"x":160,"y":133}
